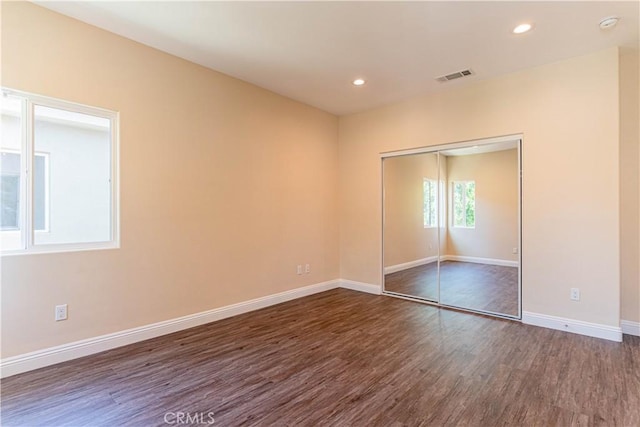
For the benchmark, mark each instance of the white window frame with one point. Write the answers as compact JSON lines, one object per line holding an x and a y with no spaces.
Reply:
{"x":434,"y":184}
{"x":27,"y":231}
{"x":464,"y":204}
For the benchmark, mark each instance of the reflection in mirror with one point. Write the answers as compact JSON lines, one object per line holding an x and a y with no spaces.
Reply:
{"x":411,"y":221}
{"x":451,"y":227}
{"x":479,"y":268}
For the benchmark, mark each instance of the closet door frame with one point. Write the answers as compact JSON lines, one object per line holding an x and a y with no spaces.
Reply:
{"x":436,"y":149}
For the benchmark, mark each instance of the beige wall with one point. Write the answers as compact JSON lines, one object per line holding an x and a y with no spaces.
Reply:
{"x":496,"y":231}
{"x":406,"y":238}
{"x":629,"y":187}
{"x":225,"y":187}
{"x":568,"y":113}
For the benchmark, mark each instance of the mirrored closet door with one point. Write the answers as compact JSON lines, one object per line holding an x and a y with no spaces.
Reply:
{"x":451,"y":226}
{"x":411,"y":226}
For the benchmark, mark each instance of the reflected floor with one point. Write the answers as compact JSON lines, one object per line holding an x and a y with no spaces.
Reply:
{"x":462,"y":284}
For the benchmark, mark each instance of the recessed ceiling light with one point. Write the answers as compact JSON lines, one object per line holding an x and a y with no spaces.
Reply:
{"x":358,"y":82}
{"x":609,"y":22}
{"x":522,"y":28}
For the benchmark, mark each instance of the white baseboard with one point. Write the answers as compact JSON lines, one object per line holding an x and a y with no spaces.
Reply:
{"x":62,"y":353}
{"x":630,"y":328}
{"x":410,"y":264}
{"x":477,"y":260}
{"x":50,"y":356}
{"x":596,"y":330}
{"x":361,"y":286}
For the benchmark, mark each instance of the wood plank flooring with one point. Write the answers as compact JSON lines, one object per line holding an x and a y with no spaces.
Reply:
{"x":342,"y":358}
{"x":462,"y":284}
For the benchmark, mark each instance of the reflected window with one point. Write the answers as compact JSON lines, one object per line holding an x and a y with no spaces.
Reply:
{"x":464,"y":204}
{"x":430,"y":202}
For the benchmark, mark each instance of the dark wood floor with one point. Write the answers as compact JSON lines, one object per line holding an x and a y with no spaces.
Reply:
{"x":462,"y":284}
{"x":342,"y":358}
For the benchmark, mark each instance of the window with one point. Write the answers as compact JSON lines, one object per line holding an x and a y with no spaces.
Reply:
{"x":464,"y":204}
{"x":10,"y":190}
{"x":58,"y":175}
{"x":41,"y":192}
{"x":430,"y":203}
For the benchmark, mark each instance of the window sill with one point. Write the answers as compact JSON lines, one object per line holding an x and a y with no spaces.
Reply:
{"x":52,"y":249}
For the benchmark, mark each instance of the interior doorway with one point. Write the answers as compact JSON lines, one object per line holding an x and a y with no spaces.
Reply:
{"x":451,"y":225}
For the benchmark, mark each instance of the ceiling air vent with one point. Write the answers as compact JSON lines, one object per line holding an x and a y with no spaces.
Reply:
{"x":453,"y":76}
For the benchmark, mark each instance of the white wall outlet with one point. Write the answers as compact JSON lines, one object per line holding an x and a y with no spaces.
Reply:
{"x":299,"y":269}
{"x":514,"y":250}
{"x":61,"y":312}
{"x":575,"y":294}
{"x":307,"y":268}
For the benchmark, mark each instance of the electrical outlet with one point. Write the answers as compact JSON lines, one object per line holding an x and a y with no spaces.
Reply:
{"x":61,"y":312}
{"x":307,"y":268}
{"x":514,"y":250}
{"x":575,"y":294}
{"x":299,"y":269}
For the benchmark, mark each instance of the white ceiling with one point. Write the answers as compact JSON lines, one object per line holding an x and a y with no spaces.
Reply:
{"x":311,"y":51}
